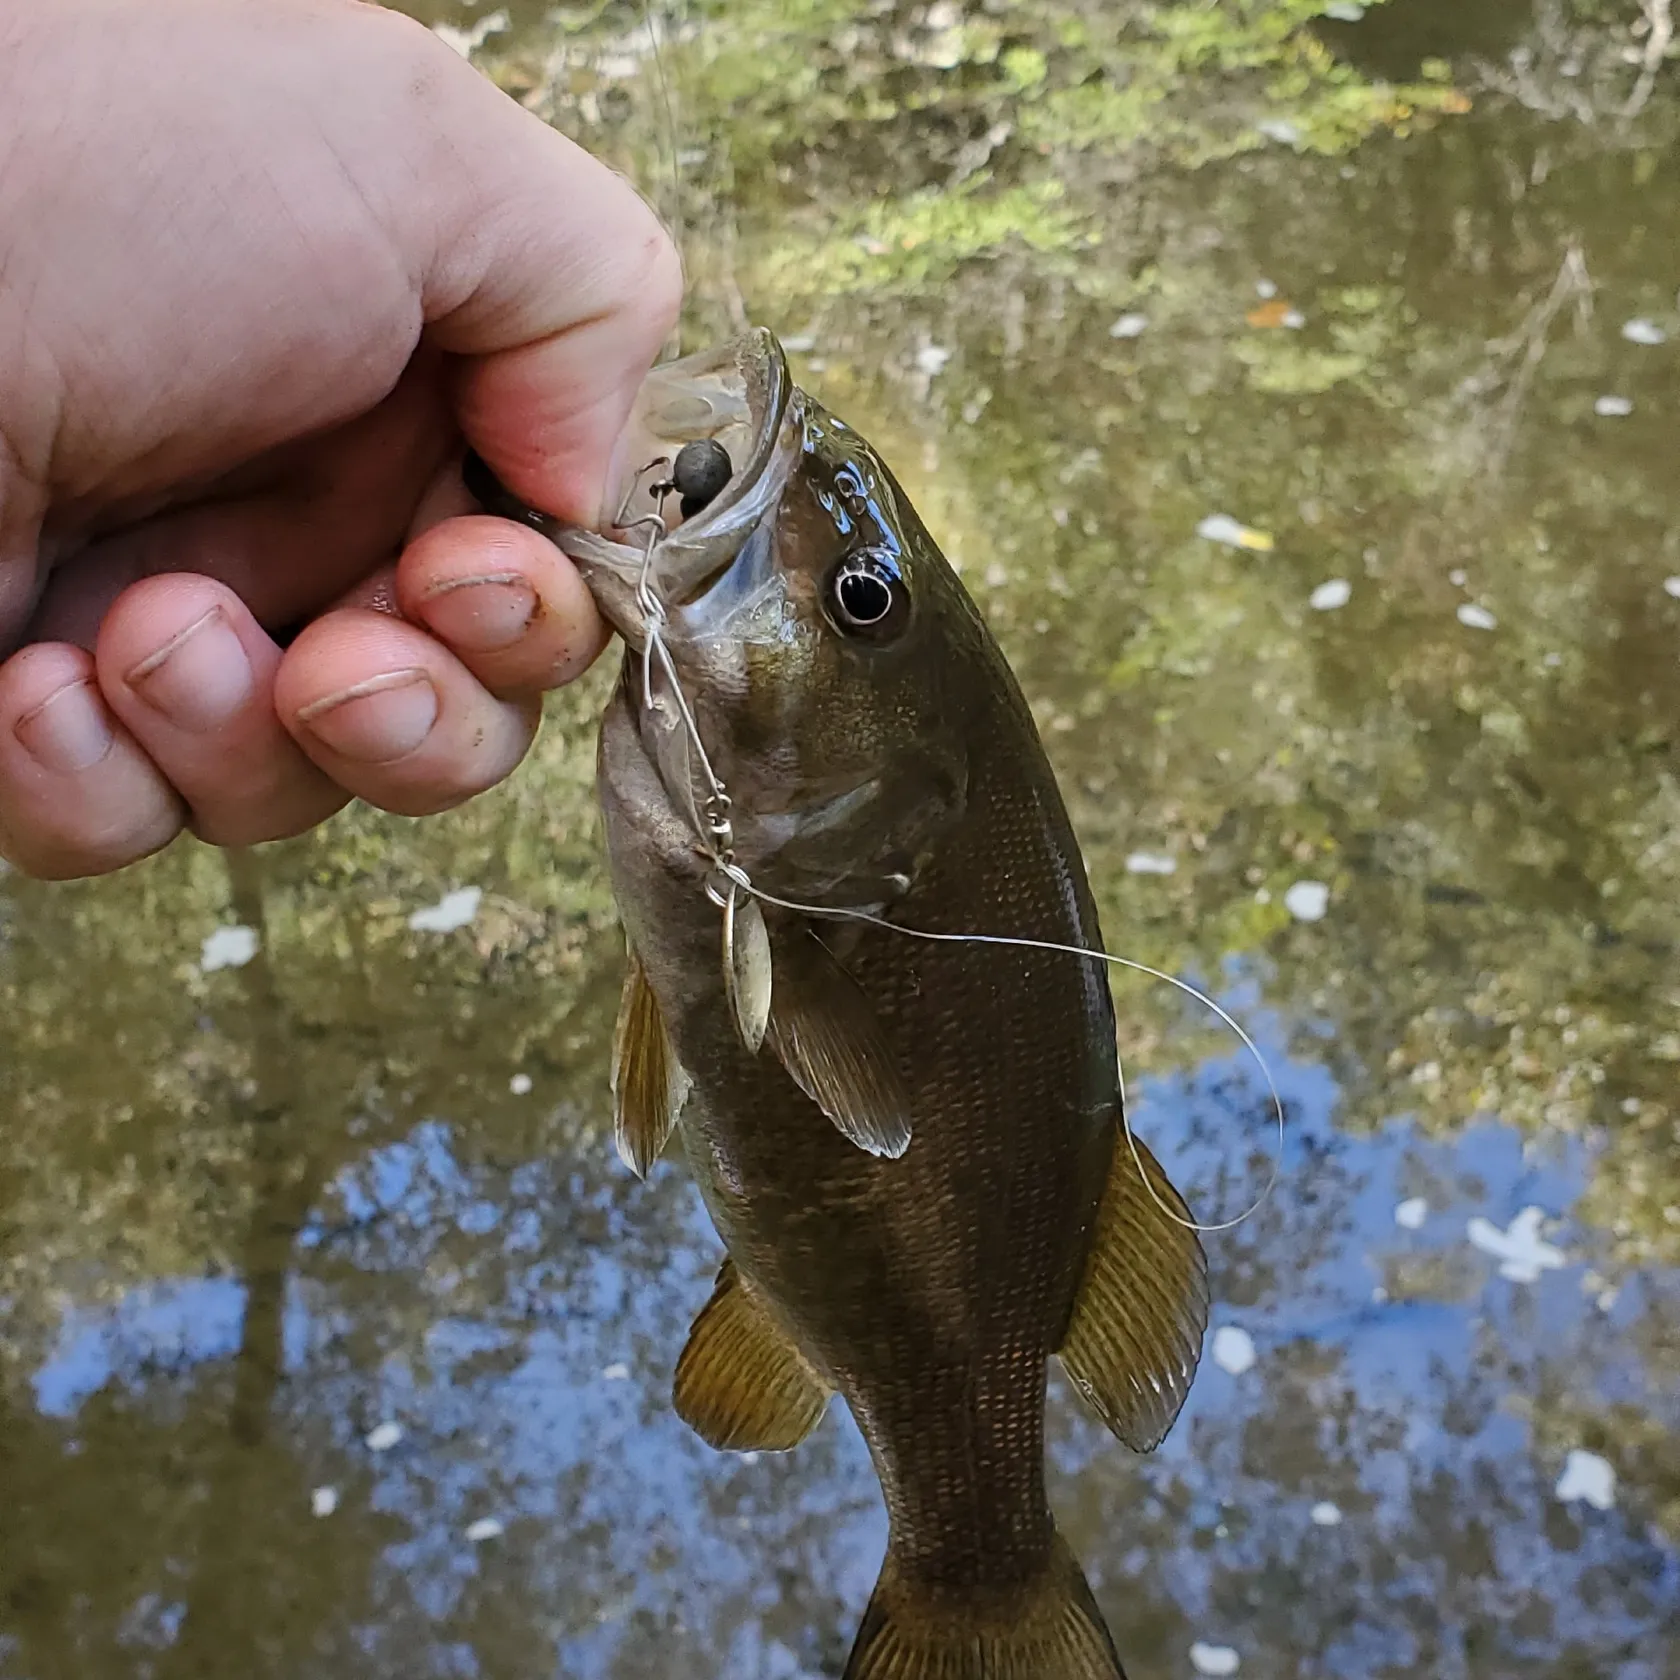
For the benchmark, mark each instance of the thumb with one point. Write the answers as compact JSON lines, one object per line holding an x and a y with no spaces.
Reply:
{"x":554,"y":280}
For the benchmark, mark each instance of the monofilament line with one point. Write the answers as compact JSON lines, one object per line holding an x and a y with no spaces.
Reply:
{"x":739,"y":876}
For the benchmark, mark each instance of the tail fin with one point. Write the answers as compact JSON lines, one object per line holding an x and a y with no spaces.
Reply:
{"x":1053,"y":1631}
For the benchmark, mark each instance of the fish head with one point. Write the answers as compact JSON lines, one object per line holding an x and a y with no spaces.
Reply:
{"x":805,"y":645}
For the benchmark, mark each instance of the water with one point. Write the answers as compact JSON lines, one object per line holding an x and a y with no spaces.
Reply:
{"x":1401,"y":786}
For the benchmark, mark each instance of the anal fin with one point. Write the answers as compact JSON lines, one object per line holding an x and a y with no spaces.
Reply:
{"x":825,"y":1032}
{"x":741,"y":1384}
{"x":648,"y":1085}
{"x":1135,"y":1338}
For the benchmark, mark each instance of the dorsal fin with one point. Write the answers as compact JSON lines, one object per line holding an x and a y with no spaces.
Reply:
{"x":826,"y":1034}
{"x":741,"y":1384}
{"x":1135,"y":1338}
{"x":648,"y":1084}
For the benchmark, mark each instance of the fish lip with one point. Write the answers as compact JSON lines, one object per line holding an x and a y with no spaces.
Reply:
{"x":749,"y":369}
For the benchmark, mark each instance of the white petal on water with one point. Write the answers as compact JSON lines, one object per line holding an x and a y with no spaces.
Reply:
{"x":1410,"y":1214}
{"x":1521,"y":1253}
{"x":323,"y":1501}
{"x":1215,"y":1661}
{"x":1332,"y":593}
{"x":1132,"y":325}
{"x":520,"y":1084}
{"x":1275,"y":128}
{"x":1671,"y":586}
{"x":931,"y":359}
{"x":1294,"y":319}
{"x":468,"y":41}
{"x":1150,"y":863}
{"x":1222,"y":528}
{"x":1326,"y":1515}
{"x":1307,"y":901}
{"x":1589,"y":1477}
{"x":1641,"y":331}
{"x":1233,"y":1349}
{"x":386,"y":1436}
{"x":1613,"y":408}
{"x":618,"y":1372}
{"x":796,"y":344}
{"x":228,"y":947}
{"x":1344,"y":11}
{"x":486,"y":1528}
{"x":454,"y":910}
{"x":1265,"y":288}
{"x":1476,"y":618}
{"x":1458,"y":577}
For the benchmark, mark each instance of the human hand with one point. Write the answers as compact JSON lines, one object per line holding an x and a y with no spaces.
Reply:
{"x":264,"y":264}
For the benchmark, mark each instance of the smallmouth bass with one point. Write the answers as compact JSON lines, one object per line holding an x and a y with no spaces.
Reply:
{"x":912,"y":1150}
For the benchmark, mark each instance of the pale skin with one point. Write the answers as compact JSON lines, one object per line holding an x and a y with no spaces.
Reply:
{"x":265,"y":267}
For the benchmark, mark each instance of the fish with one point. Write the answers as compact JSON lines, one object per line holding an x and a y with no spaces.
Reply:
{"x":911,"y":1147}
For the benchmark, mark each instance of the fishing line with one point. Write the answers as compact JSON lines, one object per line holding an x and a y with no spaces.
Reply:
{"x":720,"y":850}
{"x":739,"y":877}
{"x":674,"y":215}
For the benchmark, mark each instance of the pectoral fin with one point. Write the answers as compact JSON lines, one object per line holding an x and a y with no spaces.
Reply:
{"x":826,"y":1034}
{"x":648,"y":1084}
{"x":1136,"y":1333}
{"x":741,"y":1384}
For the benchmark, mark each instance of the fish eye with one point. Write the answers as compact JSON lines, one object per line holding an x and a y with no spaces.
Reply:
{"x":867,"y":597}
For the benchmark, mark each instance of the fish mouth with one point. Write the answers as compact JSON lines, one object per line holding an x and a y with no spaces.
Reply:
{"x":738,"y":394}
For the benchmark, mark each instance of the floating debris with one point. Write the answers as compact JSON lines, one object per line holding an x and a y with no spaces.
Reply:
{"x":1222,"y":528}
{"x":1307,"y":901}
{"x":1476,"y":618}
{"x":467,"y":41}
{"x":1233,"y":1349}
{"x":618,"y":1372}
{"x":520,"y":1084}
{"x":1521,"y":1253}
{"x":1129,"y":326}
{"x":1410,"y":1214}
{"x":486,"y":1528}
{"x":1641,"y":331}
{"x":323,"y":1501}
{"x":1276,"y":128}
{"x":228,"y":947}
{"x":931,"y":359}
{"x":1458,"y":577}
{"x":1265,"y":288}
{"x":1214,"y":1660}
{"x":1344,"y":11}
{"x":1589,"y":1477}
{"x":1613,"y":408}
{"x":1150,"y":863}
{"x":798,"y":343}
{"x":454,"y":910}
{"x":1671,"y":586}
{"x":1333,"y":593}
{"x":1275,"y":312}
{"x":1327,"y":1515}
{"x":386,"y":1436}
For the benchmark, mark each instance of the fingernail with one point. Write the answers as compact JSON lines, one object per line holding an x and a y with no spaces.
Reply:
{"x":68,"y":731}
{"x":375,"y":721}
{"x":199,"y":678}
{"x":481,"y":613}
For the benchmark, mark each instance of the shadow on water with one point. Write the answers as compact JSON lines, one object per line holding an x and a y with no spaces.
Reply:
{"x":335,"y":1341}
